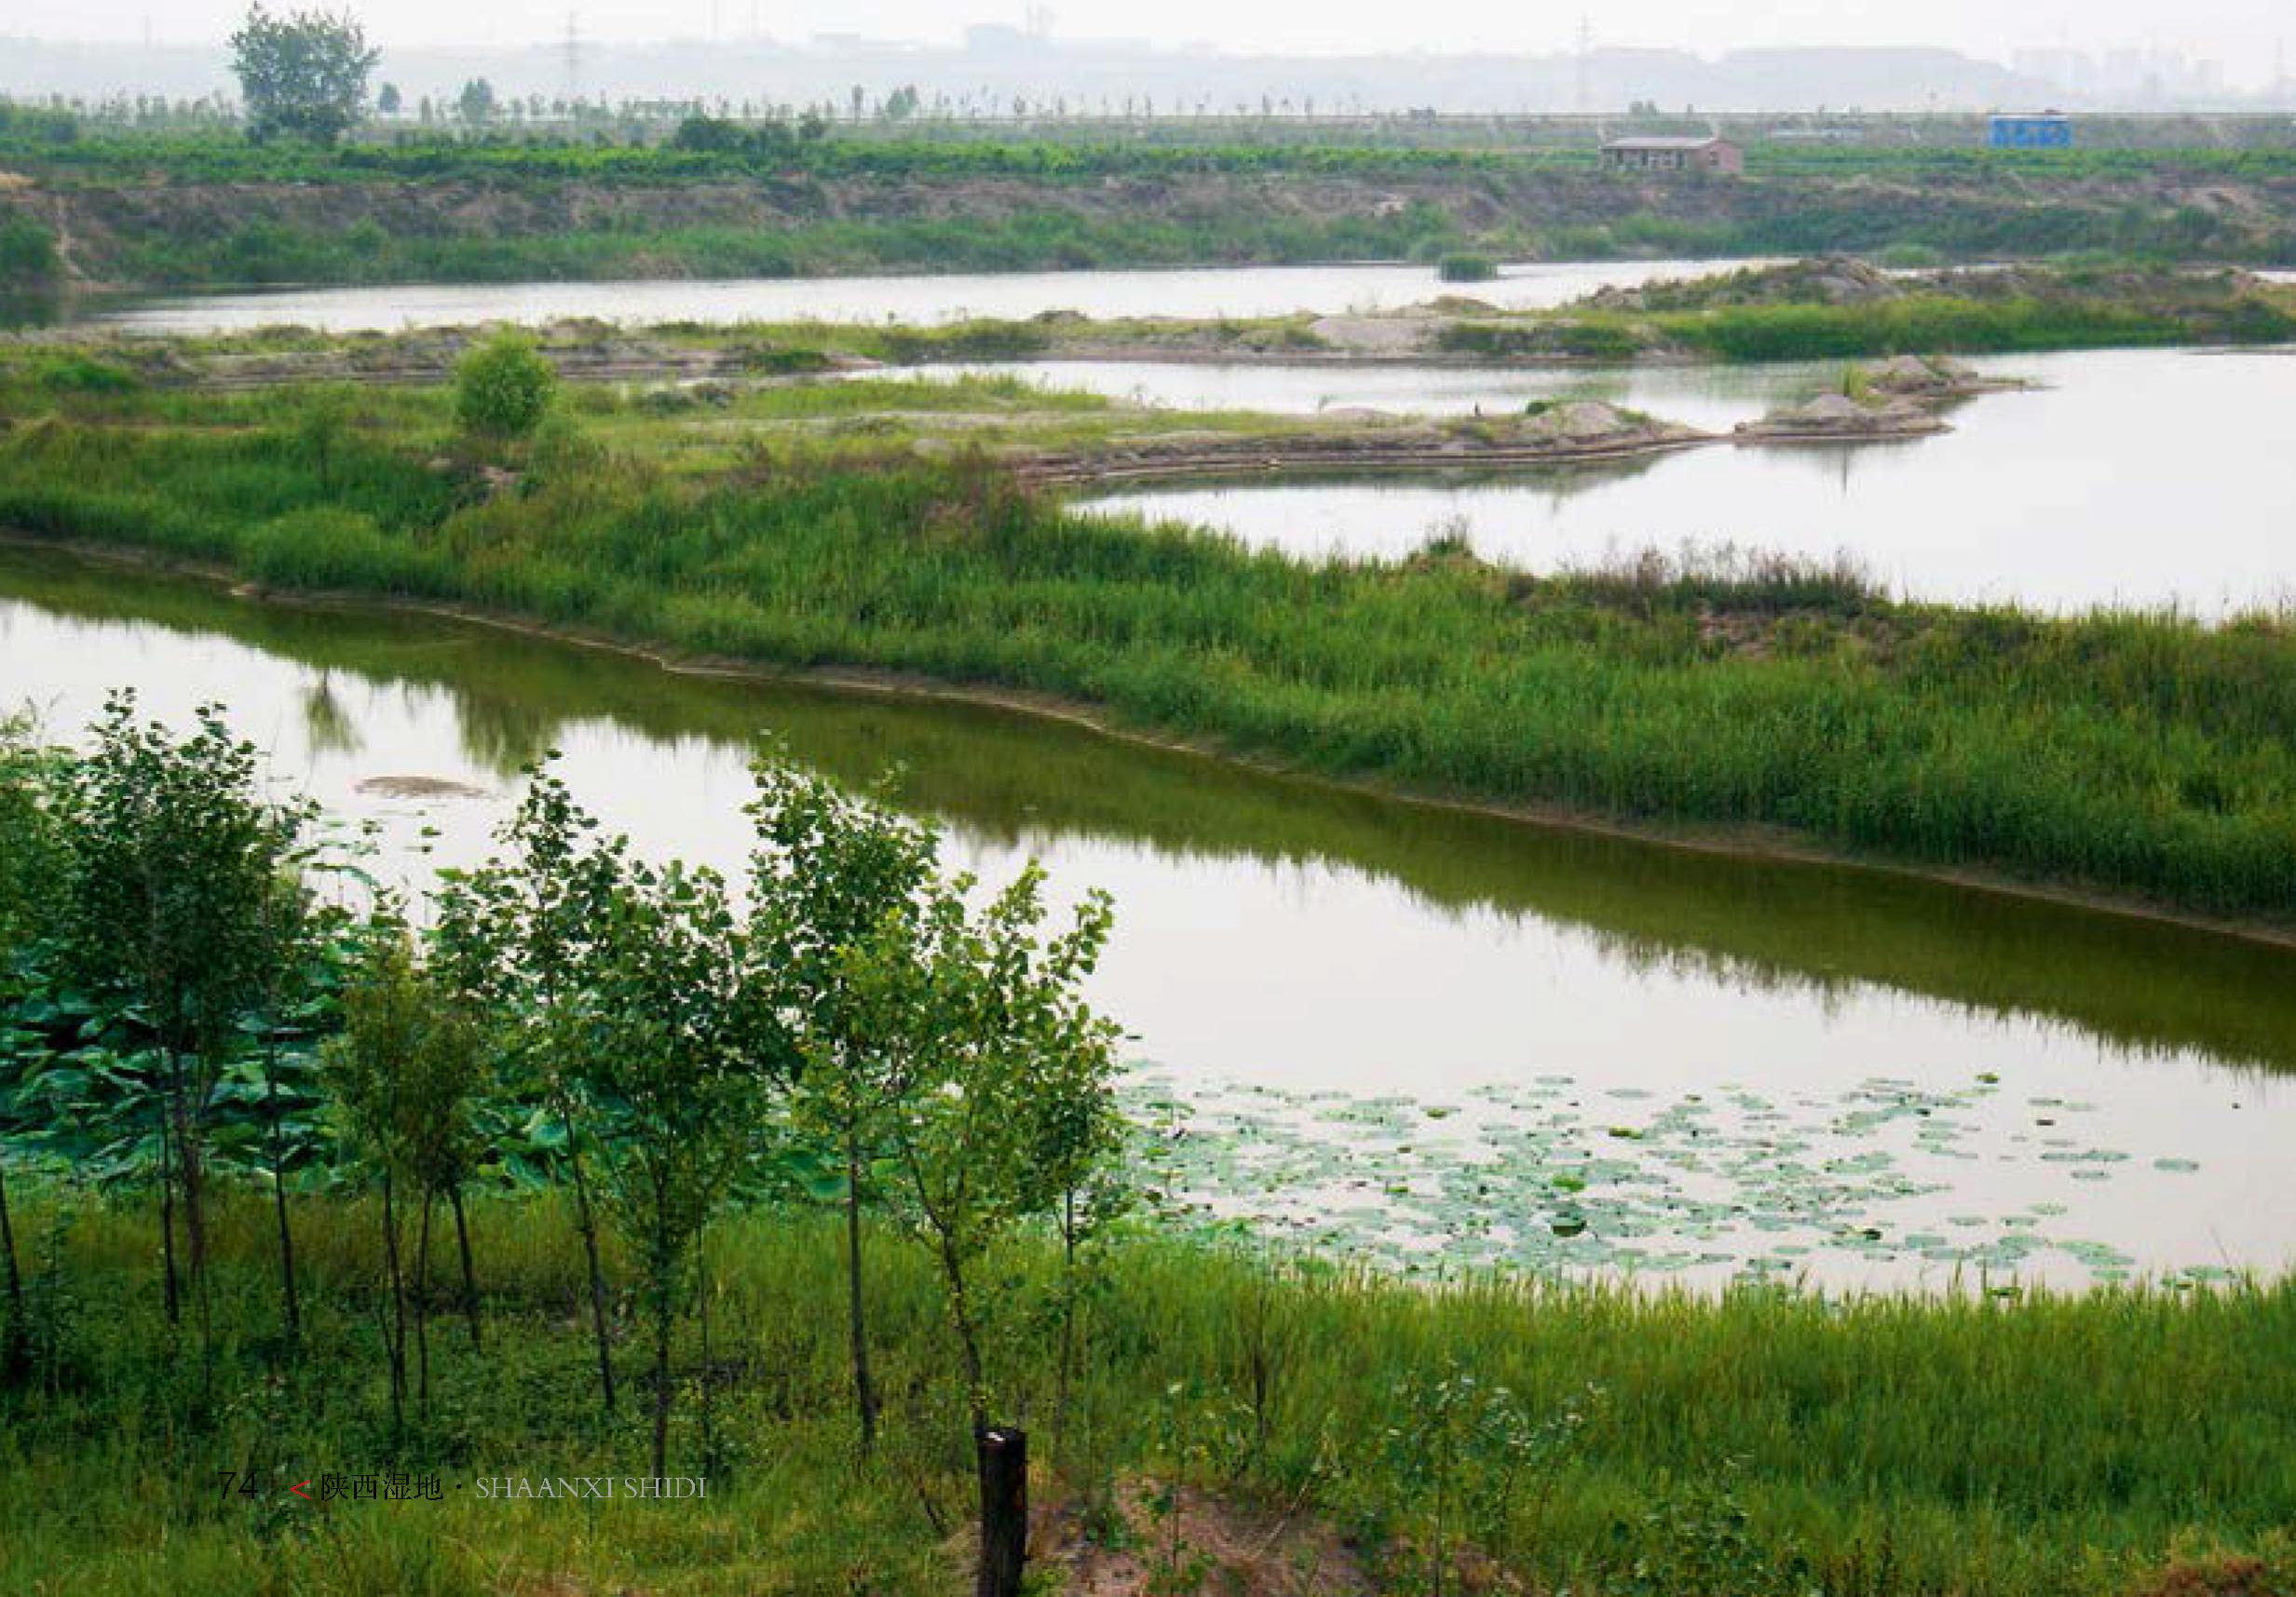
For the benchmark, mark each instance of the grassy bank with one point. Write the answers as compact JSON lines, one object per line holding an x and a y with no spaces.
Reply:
{"x":1939,"y":323}
{"x":278,"y":252}
{"x":186,"y":211}
{"x":2144,"y":756}
{"x":2114,"y":1444}
{"x":1788,"y":311}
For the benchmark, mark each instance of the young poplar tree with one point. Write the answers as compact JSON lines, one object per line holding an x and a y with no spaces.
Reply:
{"x":1003,"y":1061}
{"x":516,"y":933}
{"x":447,"y":1079}
{"x":31,"y":875}
{"x":668,"y":1033}
{"x":173,"y":859}
{"x":1077,"y":1143}
{"x":832,"y":871}
{"x":366,"y":1068}
{"x":288,"y":933}
{"x":408,"y":1073}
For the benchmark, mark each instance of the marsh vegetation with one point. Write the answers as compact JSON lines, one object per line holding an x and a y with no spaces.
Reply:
{"x":2142,"y":755}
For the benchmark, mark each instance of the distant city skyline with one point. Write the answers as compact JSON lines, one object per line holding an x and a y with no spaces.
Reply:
{"x":2244,"y":41}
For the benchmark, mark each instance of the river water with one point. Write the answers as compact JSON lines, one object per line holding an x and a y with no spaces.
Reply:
{"x":1196,"y":291}
{"x":2132,"y":478}
{"x":1426,"y":1035}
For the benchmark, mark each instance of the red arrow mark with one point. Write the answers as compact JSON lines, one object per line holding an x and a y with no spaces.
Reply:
{"x":299,"y":1491}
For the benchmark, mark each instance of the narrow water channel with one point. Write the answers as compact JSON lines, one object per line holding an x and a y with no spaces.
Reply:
{"x":1178,"y":291}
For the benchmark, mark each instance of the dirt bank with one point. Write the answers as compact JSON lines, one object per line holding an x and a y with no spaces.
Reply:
{"x":1546,"y":436}
{"x":157,"y":229}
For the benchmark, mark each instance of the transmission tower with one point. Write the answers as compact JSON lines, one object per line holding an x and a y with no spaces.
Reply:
{"x":571,"y":57}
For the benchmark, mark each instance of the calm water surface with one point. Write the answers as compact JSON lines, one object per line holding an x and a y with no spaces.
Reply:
{"x":1712,"y":396}
{"x":1858,"y":1076}
{"x":2129,"y":477}
{"x":1237,"y":291}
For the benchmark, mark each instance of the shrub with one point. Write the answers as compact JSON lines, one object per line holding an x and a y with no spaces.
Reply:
{"x":83,"y":374}
{"x":1909,"y":257}
{"x":1464,"y":268}
{"x":28,"y":257}
{"x":776,"y":360}
{"x":334,"y":549}
{"x":503,"y":387}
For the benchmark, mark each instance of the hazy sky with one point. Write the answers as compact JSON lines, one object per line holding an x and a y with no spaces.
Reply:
{"x":2243,"y":34}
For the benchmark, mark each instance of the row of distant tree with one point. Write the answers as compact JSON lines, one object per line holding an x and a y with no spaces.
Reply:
{"x":306,"y":74}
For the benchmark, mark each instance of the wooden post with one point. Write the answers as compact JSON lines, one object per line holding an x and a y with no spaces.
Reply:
{"x":1003,"y":1457}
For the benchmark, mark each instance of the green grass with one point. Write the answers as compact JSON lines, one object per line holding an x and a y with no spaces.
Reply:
{"x":925,"y":149}
{"x":2136,"y":754}
{"x":1756,"y":1443}
{"x":264,"y":252}
{"x":1925,"y":323}
{"x":1065,"y":230}
{"x":1943,"y":324}
{"x":211,"y":209}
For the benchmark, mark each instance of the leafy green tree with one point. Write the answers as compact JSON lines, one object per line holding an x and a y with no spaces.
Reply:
{"x":407,"y":1072}
{"x":831,"y":871}
{"x":517,"y":933}
{"x":390,"y":102}
{"x":667,"y":1032}
{"x":32,"y":872}
{"x":289,"y":959}
{"x":709,"y":136}
{"x":383,"y":1022}
{"x":173,"y":859}
{"x":33,"y":863}
{"x":1076,"y":1143}
{"x":29,"y":262}
{"x":304,"y":74}
{"x":998,"y":1055}
{"x":448,"y":1081}
{"x":476,"y":104}
{"x":503,"y":386}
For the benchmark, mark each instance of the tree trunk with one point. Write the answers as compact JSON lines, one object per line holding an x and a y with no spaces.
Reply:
{"x":14,"y":1340}
{"x":191,"y":1175}
{"x":395,"y":1332}
{"x":422,"y":1306}
{"x":968,"y":1339}
{"x":292,"y":1309}
{"x":864,"y":1390}
{"x":167,"y":1208}
{"x":663,"y":1310}
{"x":588,"y":1225}
{"x":1068,"y":1326}
{"x":190,"y":1178}
{"x":1002,"y":1456}
{"x":470,"y":1277}
{"x":701,"y":1312}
